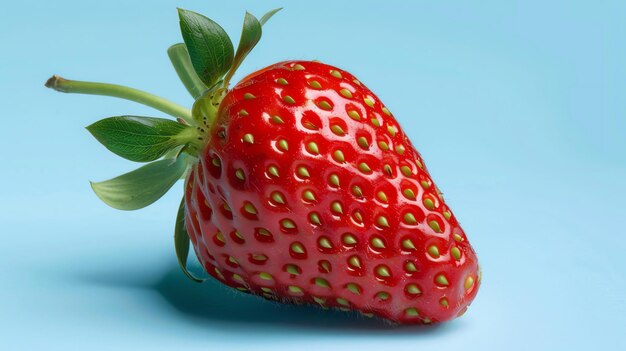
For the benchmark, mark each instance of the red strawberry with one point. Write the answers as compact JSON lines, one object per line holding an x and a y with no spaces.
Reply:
{"x":309,"y":190}
{"x":301,"y":185}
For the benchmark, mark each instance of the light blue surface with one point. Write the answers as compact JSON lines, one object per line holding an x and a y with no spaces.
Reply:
{"x":518,"y":107}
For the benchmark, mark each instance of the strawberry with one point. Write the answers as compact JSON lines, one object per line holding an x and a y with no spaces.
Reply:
{"x":300,"y":185}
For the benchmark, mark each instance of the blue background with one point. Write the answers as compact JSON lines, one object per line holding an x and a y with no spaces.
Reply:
{"x":518,"y":107}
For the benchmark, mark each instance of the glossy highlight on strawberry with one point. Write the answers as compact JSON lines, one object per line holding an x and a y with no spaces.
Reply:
{"x":300,"y":185}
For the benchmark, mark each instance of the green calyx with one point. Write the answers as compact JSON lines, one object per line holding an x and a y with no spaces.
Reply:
{"x":205,"y":64}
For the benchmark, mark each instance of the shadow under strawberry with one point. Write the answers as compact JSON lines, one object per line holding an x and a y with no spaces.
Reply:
{"x":214,"y":302}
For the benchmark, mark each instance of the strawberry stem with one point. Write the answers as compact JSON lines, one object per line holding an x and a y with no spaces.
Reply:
{"x":74,"y":86}
{"x":179,"y":56}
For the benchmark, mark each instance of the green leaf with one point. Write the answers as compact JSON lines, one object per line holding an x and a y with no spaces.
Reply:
{"x":210,"y":49}
{"x":179,"y":56}
{"x":141,"y":187}
{"x":250,"y":36}
{"x":181,"y":243}
{"x":269,"y":15}
{"x":140,"y":139}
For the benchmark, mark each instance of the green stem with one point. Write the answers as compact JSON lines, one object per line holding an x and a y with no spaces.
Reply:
{"x":182,"y":64}
{"x":74,"y":86}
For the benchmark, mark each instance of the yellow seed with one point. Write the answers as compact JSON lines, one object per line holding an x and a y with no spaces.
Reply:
{"x":369,"y":102}
{"x":386,"y":111}
{"x":458,"y":237}
{"x":315,"y":84}
{"x":288,"y":99}
{"x":363,"y":167}
{"x":433,"y":251}
{"x":248,"y":96}
{"x":295,"y":289}
{"x":259,"y":257}
{"x":391,"y":130}
{"x":240,"y":174}
{"x":400,"y":149}
{"x":278,"y":197}
{"x":411,"y":312}
{"x":277,"y":120}
{"x":447,"y":215}
{"x":435,"y":226}
{"x":321,"y":282}
{"x":336,"y":207}
{"x":354,"y":115}
{"x":383,"y":295}
{"x":382,"y":196}
{"x":406,"y":170}
{"x":315,"y":218}
{"x":442,"y":280}
{"x":308,"y":195}
{"x":283,"y":145}
{"x":409,"y":194}
{"x":354,"y":261}
{"x":407,"y":244}
{"x":383,"y":271}
{"x":238,"y":235}
{"x":410,"y":267}
{"x":383,"y":145}
{"x":387,"y":169}
{"x":429,"y":203}
{"x":248,"y":138}
{"x":337,"y":130}
{"x":378,"y":243}
{"x":425,"y":184}
{"x":325,"y":243}
{"x":413,"y":289}
{"x":362,"y":141}
{"x":248,"y":207}
{"x":288,"y":224}
{"x":265,"y":276}
{"x":356,"y":190}
{"x":338,"y":156}
{"x":469,"y":282}
{"x":335,"y":74}
{"x":273,"y":170}
{"x":343,"y":302}
{"x":303,"y":172}
{"x":319,"y":300}
{"x":375,"y":122}
{"x":354,"y":288}
{"x":312,"y":148}
{"x":297,"y":248}
{"x":298,"y":67}
{"x":292,"y":269}
{"x":324,"y":105}
{"x":382,"y":221}
{"x":444,"y":302}
{"x":358,"y":217}
{"x":281,"y":81}
{"x":455,"y":252}
{"x":220,"y":237}
{"x":243,"y":112}
{"x":349,"y":239}
{"x":345,"y":93}
{"x":334,"y":180}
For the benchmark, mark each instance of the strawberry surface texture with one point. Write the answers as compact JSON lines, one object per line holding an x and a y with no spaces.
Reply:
{"x":299,"y":184}
{"x":308,"y":190}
